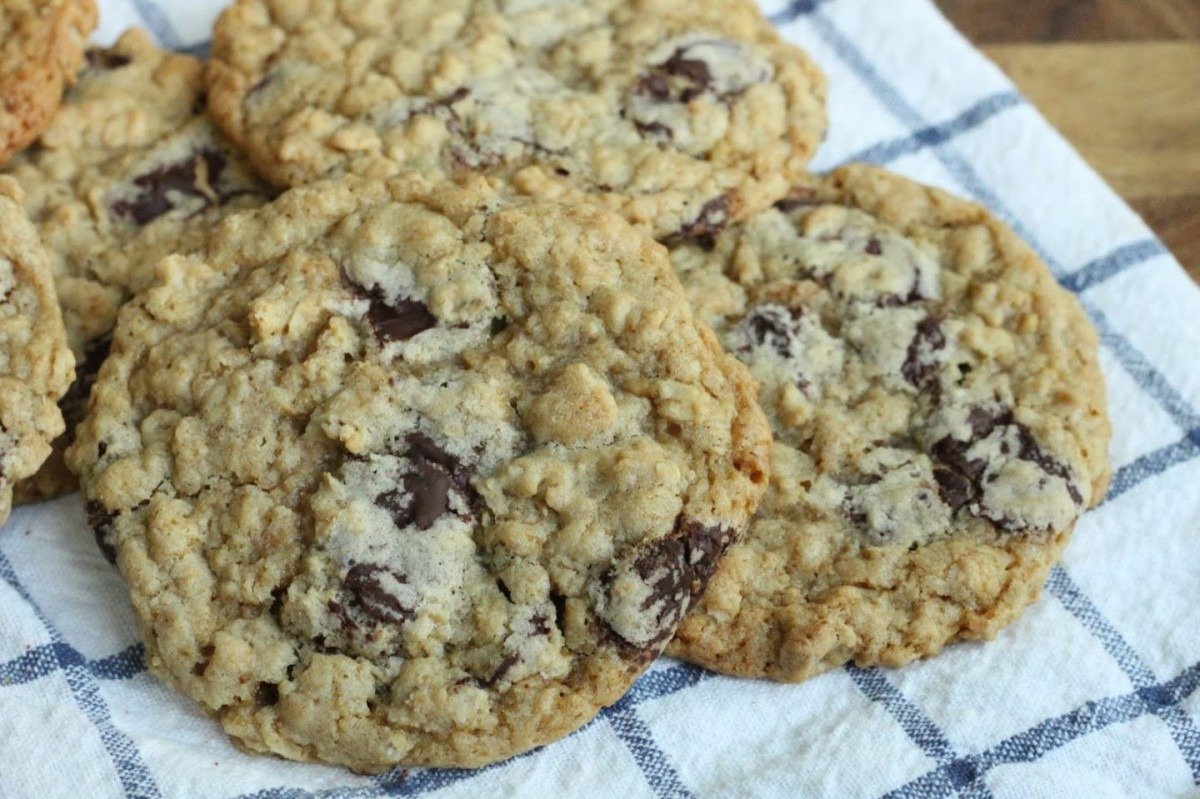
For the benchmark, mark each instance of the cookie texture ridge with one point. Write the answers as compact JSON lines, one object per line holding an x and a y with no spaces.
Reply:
{"x":406,"y":473}
{"x":939,"y":421}
{"x":41,"y":49}
{"x":129,"y":171}
{"x":679,"y":114}
{"x":35,"y":364}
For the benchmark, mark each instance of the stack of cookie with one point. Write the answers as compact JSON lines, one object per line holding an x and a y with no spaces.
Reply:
{"x":441,"y":363}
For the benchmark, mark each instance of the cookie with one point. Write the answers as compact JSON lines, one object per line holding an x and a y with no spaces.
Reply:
{"x":939,"y":422}
{"x":130,"y":170}
{"x":41,"y":49}
{"x":404,"y":473}
{"x":35,"y":364}
{"x":678,"y":114}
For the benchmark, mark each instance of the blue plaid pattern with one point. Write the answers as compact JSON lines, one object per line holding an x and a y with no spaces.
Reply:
{"x":952,"y":770}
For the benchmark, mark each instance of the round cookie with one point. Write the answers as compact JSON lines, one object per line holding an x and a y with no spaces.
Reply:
{"x":404,"y":473}
{"x":939,"y":422}
{"x":41,"y":49}
{"x":130,"y":170}
{"x":35,"y":364}
{"x":679,"y":114}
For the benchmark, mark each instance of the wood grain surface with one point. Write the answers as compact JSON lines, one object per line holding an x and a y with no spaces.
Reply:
{"x":1121,"y":80}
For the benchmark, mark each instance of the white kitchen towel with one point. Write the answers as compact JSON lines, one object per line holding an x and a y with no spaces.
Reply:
{"x":1093,"y":693}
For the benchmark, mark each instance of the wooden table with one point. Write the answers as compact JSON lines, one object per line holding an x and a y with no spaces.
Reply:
{"x":1121,"y":80}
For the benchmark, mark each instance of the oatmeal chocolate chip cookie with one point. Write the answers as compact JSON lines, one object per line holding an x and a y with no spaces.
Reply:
{"x":41,"y":49}
{"x":35,"y":364}
{"x":676,"y":113}
{"x":939,"y":425}
{"x":402,"y":472}
{"x":130,"y":170}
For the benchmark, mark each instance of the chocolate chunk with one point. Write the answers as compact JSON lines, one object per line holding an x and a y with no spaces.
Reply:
{"x":874,"y":246}
{"x":425,"y":490}
{"x":1030,"y":451}
{"x":100,"y":519}
{"x":654,"y":86}
{"x":259,"y":85}
{"x":919,"y":368}
{"x":99,"y":58}
{"x":960,"y":479}
{"x":157,"y":188}
{"x":539,"y":624}
{"x":955,"y":489}
{"x":461,"y":93}
{"x":502,"y":668}
{"x":201,"y":666}
{"x":900,"y":300}
{"x":368,"y":584}
{"x":343,"y":616}
{"x":706,"y":545}
{"x":400,"y":320}
{"x":75,"y":402}
{"x":773,"y":326}
{"x":267,"y":694}
{"x":560,"y":611}
{"x":694,"y":77}
{"x":655,"y":130}
{"x":797,"y":202}
{"x":711,"y":220}
{"x":675,"y":571}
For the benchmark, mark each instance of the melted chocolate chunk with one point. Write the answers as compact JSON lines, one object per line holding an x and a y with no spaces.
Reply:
{"x":800,"y":199}
{"x":919,"y":368}
{"x":75,"y":402}
{"x":706,"y":545}
{"x":344,"y":618}
{"x":366,"y":582}
{"x":100,"y":519}
{"x":655,"y":130}
{"x":158,"y":189}
{"x":692,"y":76}
{"x":99,"y":58}
{"x":960,"y":478}
{"x":502,"y":668}
{"x":461,"y":93}
{"x":899,"y":300}
{"x":954,"y":487}
{"x":539,"y":624}
{"x":676,"y":570}
{"x":773,"y":326}
{"x":425,"y":491}
{"x":1030,"y":451}
{"x":712,"y":219}
{"x":400,"y":320}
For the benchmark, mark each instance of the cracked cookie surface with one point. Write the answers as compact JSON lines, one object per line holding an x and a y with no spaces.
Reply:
{"x":35,"y":364}
{"x":129,"y":171}
{"x":402,"y":472}
{"x":41,"y":49}
{"x":673,"y":113}
{"x":939,"y":422}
